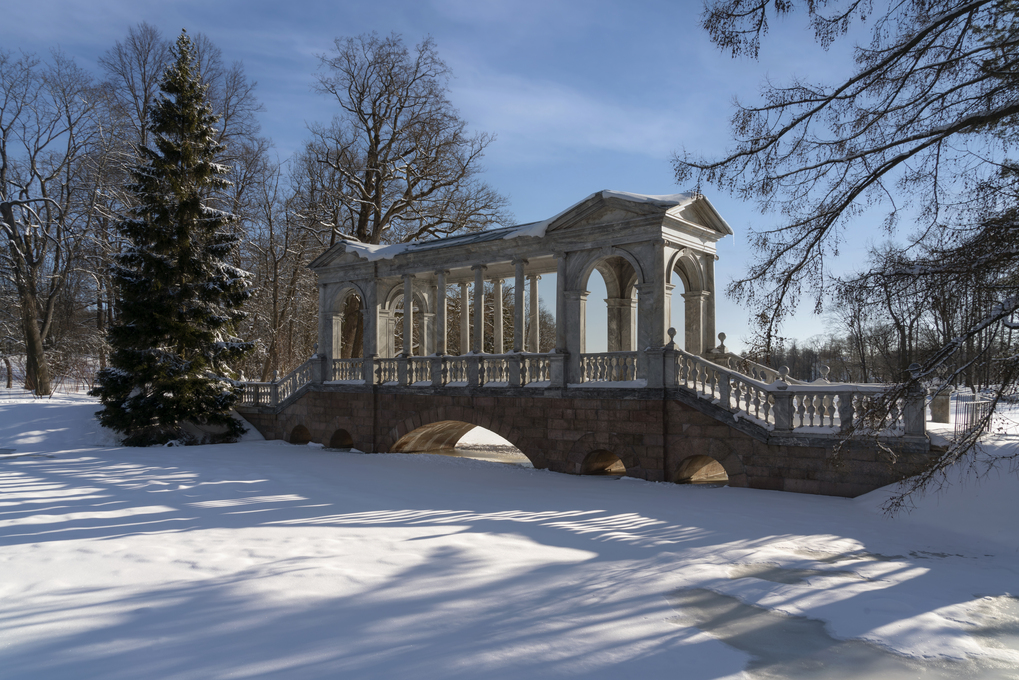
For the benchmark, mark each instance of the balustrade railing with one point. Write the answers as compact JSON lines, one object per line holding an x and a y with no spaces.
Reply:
{"x":776,"y":403}
{"x":534,"y":368}
{"x":293,"y":381}
{"x":807,"y":408}
{"x":386,"y":371}
{"x":348,"y":369}
{"x":419,"y":369}
{"x":456,"y":369}
{"x":494,"y":369}
{"x":608,"y":367}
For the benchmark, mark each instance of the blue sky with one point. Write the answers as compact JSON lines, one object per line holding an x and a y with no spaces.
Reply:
{"x":582,"y":96}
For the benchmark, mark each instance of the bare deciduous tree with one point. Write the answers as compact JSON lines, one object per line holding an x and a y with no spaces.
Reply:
{"x":925,"y":121}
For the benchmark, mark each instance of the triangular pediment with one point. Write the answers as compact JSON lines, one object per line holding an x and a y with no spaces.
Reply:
{"x":608,"y":207}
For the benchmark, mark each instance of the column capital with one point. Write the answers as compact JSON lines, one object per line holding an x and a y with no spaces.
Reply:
{"x":697,"y":295}
{"x":577,"y":294}
{"x":477,"y":267}
{"x":441,"y":272}
{"x":408,"y":276}
{"x":498,"y":280}
{"x":534,"y":277}
{"x":519,"y":260}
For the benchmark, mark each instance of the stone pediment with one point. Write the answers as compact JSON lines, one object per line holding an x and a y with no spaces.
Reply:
{"x":608,"y":207}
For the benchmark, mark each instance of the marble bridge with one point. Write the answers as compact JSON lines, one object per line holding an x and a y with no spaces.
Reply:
{"x":662,"y":411}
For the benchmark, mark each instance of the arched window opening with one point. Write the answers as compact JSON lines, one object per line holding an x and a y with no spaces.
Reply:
{"x":701,"y":470}
{"x":602,"y":462}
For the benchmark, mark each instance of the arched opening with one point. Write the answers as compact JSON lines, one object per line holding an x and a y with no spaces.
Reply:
{"x":602,"y":462}
{"x":677,"y":315}
{"x":610,"y":308}
{"x":299,"y":435}
{"x":701,"y":470}
{"x":341,"y":440}
{"x":461,"y":440}
{"x":348,"y":326}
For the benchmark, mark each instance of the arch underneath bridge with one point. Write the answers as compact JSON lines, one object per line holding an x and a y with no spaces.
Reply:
{"x":443,"y":427}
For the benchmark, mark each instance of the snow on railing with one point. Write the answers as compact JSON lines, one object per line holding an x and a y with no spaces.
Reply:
{"x":608,"y":366}
{"x":348,"y":369}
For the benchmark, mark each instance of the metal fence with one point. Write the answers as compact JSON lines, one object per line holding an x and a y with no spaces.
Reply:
{"x":969,"y":413}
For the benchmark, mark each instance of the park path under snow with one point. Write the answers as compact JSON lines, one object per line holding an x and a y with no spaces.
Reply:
{"x":268,"y":560}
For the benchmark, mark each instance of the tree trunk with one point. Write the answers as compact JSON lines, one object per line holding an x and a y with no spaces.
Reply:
{"x":37,"y":370}
{"x":10,"y":372}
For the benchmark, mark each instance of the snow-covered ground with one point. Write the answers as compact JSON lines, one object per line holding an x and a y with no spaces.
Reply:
{"x":268,"y":560}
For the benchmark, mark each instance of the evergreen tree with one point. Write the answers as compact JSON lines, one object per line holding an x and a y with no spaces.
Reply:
{"x":178,"y":295}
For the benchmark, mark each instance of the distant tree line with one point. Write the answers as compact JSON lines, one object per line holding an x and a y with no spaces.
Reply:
{"x":396,"y":163}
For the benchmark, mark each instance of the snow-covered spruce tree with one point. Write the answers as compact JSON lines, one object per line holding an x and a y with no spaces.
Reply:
{"x":178,"y":296}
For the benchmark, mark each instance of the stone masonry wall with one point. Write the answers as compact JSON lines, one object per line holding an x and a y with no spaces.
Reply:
{"x":651,"y":437}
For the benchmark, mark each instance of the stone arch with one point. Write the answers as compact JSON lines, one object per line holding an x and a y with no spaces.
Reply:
{"x":470,"y":418}
{"x":342,"y":440}
{"x":611,"y":442}
{"x":299,"y":434}
{"x":718,"y":451}
{"x":699,"y":468}
{"x":686,"y":265}
{"x":338,"y":296}
{"x":597,"y":259}
{"x":602,"y":462}
{"x":621,"y":274}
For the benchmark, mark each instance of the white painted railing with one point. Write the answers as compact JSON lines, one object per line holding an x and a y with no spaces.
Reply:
{"x":608,"y":366}
{"x":348,"y":369}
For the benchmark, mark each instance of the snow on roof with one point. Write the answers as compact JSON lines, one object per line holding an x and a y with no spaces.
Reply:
{"x":372,"y":252}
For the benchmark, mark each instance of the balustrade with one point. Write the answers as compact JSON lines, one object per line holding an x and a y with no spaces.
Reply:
{"x":386,"y":371}
{"x":456,"y":369}
{"x":608,"y":367}
{"x":494,"y":369}
{"x":348,"y":369}
{"x":534,"y":368}
{"x":419,"y":369}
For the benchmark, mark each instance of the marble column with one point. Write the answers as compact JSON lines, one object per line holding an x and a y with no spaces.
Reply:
{"x":518,"y":306}
{"x":694,"y":320}
{"x":497,"y":344}
{"x":560,"y":304}
{"x":408,"y":315}
{"x":532,"y":333}
{"x":440,"y":312}
{"x":479,"y":309}
{"x":465,"y":320}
